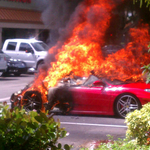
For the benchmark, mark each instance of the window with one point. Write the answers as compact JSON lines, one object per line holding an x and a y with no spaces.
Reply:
{"x":24,"y":47}
{"x":11,"y":46}
{"x":40,"y":46}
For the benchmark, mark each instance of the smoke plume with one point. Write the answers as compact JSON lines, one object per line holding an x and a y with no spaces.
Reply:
{"x":56,"y":15}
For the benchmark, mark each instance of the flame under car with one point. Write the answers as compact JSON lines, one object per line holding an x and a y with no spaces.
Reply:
{"x":95,"y":96}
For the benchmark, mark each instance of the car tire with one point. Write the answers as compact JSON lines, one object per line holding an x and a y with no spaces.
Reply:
{"x":32,"y":101}
{"x":126,"y":103}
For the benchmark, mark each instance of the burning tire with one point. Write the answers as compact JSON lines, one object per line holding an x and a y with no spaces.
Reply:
{"x":32,"y":101}
{"x":126,"y":103}
{"x":61,"y":98}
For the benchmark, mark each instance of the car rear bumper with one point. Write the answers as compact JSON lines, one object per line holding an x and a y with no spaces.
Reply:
{"x":16,"y":70}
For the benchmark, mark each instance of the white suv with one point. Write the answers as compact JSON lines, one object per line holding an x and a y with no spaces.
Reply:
{"x":3,"y":62}
{"x":30,"y":51}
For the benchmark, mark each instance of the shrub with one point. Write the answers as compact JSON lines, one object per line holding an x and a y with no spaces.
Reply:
{"x":138,"y":123}
{"x":20,"y":130}
{"x":146,"y":69}
{"x":120,"y":144}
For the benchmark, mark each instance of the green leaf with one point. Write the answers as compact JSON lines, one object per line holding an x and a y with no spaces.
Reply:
{"x":66,"y":147}
{"x":24,"y":124}
{"x":43,"y":115}
{"x":38,"y":134}
{"x":39,"y":118}
{"x":63,"y":133}
{"x":31,"y":125}
{"x":18,"y":120}
{"x":42,"y":131}
{"x":59,"y":146}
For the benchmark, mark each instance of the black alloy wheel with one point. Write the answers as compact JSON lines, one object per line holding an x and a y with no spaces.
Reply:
{"x":32,"y":101}
{"x":125,"y":104}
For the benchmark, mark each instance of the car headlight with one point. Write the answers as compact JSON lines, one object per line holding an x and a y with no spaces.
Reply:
{"x":12,"y":65}
{"x":147,"y":90}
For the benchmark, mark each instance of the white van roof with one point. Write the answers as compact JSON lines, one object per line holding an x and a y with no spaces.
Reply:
{"x":23,"y":40}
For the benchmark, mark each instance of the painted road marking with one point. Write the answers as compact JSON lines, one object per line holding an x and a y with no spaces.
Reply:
{"x":89,"y":124}
{"x":4,"y":99}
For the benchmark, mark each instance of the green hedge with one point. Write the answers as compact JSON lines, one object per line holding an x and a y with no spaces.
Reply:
{"x":20,"y":130}
{"x":138,"y":123}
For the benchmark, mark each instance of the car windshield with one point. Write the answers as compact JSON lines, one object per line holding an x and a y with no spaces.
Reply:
{"x":90,"y":80}
{"x":40,"y":46}
{"x":93,"y":78}
{"x":118,"y":82}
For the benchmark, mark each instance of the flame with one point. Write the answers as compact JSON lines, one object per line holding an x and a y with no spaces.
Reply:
{"x":81,"y":52}
{"x":126,"y":63}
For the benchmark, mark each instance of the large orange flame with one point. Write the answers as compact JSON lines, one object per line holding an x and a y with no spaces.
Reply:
{"x":82,"y":51}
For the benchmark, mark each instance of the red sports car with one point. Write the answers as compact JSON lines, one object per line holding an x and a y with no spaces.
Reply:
{"x":95,"y":96}
{"x":102,"y":96}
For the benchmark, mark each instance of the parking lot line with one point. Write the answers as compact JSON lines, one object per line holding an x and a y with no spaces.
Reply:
{"x":4,"y":99}
{"x":89,"y":124}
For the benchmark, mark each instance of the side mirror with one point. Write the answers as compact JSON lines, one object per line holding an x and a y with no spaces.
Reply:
{"x":29,"y":51}
{"x":98,"y":83}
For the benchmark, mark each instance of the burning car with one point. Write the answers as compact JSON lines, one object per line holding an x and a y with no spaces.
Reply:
{"x":95,"y":96}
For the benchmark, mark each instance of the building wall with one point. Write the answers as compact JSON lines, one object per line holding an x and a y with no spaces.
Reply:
{"x":24,"y":4}
{"x":18,"y":29}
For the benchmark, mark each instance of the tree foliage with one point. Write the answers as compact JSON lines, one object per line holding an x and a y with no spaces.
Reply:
{"x":142,"y":2}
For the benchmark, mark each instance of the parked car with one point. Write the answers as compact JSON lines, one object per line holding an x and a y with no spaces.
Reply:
{"x":96,"y":96}
{"x":3,"y":62}
{"x":30,"y":51}
{"x":15,"y":67}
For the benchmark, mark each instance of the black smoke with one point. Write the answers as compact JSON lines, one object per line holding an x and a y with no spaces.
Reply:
{"x":56,"y":15}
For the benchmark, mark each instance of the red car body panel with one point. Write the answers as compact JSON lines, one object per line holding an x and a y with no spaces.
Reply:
{"x":100,"y":100}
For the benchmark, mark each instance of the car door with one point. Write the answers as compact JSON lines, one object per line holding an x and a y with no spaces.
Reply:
{"x":91,"y":98}
{"x":26,"y":54}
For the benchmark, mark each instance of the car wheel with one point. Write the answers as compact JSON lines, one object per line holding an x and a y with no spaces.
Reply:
{"x":32,"y":101}
{"x":126,"y":103}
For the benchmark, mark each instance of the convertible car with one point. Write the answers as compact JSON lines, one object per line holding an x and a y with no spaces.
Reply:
{"x":95,"y":96}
